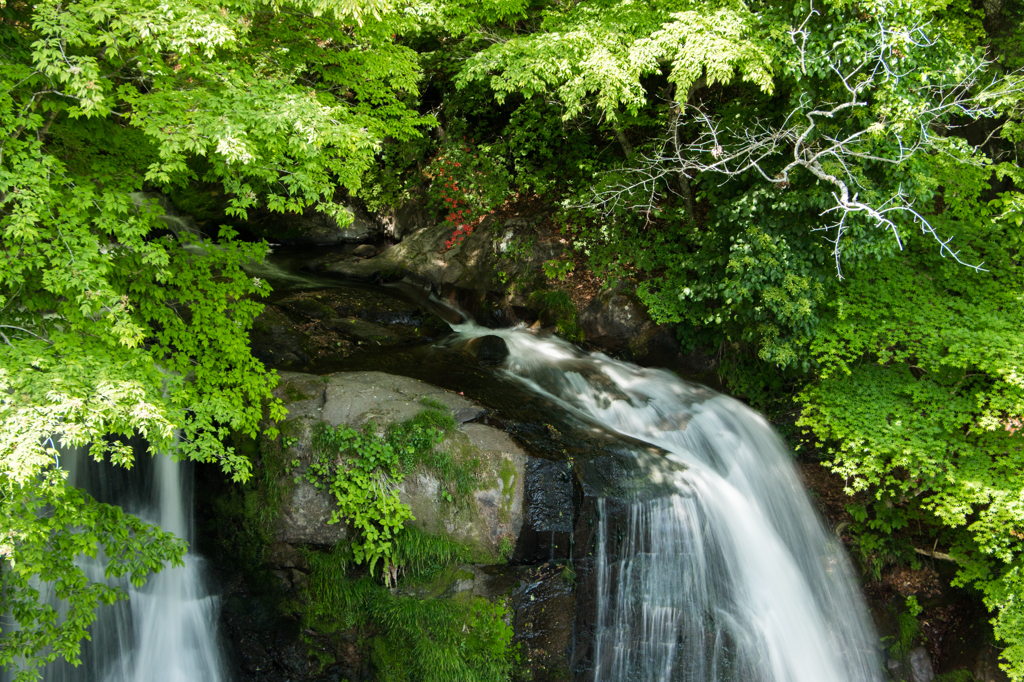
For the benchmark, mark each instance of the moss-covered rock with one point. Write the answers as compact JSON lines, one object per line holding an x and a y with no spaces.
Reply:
{"x":487,"y":521}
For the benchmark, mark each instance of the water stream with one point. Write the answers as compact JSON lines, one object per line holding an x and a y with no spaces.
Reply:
{"x":166,"y":631}
{"x":730,"y":577}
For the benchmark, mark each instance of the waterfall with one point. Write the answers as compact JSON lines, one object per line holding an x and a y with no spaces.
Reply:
{"x":166,"y":631}
{"x":724,"y":573}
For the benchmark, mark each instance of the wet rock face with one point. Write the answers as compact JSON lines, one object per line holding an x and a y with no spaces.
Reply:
{"x":306,"y":326}
{"x":263,"y":647}
{"x":544,"y":604}
{"x":548,"y":519}
{"x":490,"y":350}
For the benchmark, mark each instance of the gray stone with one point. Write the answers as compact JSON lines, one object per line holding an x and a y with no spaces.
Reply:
{"x":920,"y":663}
{"x":365,"y":251}
{"x":353,"y":398}
{"x":468,"y":414}
{"x":496,"y":515}
{"x":305,"y":515}
{"x":404,"y":220}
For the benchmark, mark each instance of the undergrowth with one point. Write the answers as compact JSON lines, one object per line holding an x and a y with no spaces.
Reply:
{"x":409,"y":639}
{"x":246,"y":514}
{"x":421,"y":555}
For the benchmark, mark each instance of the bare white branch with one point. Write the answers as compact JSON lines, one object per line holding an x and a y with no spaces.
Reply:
{"x":831,"y":140}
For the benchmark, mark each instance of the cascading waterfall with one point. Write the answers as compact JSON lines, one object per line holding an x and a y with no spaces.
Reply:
{"x":166,"y":631}
{"x":730,"y":577}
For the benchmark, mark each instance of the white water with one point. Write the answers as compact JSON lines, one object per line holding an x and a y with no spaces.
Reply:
{"x":729,"y":578}
{"x":166,"y":631}
{"x":182,"y":225}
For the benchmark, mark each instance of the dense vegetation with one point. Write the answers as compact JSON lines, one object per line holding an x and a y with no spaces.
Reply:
{"x":826,"y":195}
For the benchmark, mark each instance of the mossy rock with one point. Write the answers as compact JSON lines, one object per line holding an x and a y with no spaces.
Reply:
{"x":488,"y":521}
{"x":308,"y":307}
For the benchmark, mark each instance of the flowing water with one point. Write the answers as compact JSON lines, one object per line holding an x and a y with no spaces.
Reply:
{"x":721,"y":570}
{"x":166,"y":631}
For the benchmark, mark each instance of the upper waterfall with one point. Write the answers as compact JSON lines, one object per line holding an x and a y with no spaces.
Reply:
{"x":730,"y":575}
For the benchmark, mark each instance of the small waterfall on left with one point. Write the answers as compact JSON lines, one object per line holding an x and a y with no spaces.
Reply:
{"x":166,"y":631}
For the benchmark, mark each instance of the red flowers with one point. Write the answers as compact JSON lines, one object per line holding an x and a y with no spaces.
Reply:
{"x":458,"y":236}
{"x":454,"y":197}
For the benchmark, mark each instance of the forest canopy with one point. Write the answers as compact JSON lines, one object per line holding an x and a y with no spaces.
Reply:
{"x":824,"y":194}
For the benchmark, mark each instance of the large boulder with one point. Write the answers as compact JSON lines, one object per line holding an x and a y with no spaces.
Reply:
{"x":404,"y":220}
{"x":492,"y":521}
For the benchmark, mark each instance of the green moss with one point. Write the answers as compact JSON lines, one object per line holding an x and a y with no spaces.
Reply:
{"x":293,"y":394}
{"x":956,"y":676}
{"x":557,"y":308}
{"x":507,"y":474}
{"x":506,"y":547}
{"x":433,"y":403}
{"x":416,"y":439}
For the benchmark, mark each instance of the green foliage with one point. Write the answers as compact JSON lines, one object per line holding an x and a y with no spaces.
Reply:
{"x":546,"y":154}
{"x":606,"y":49}
{"x":558,"y":269}
{"x":558,"y":309}
{"x":421,"y":555}
{"x":920,"y":399}
{"x":361,"y":471}
{"x":874,"y":529}
{"x":506,"y":548}
{"x":110,"y":326}
{"x":67,"y":523}
{"x":908,"y":629}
